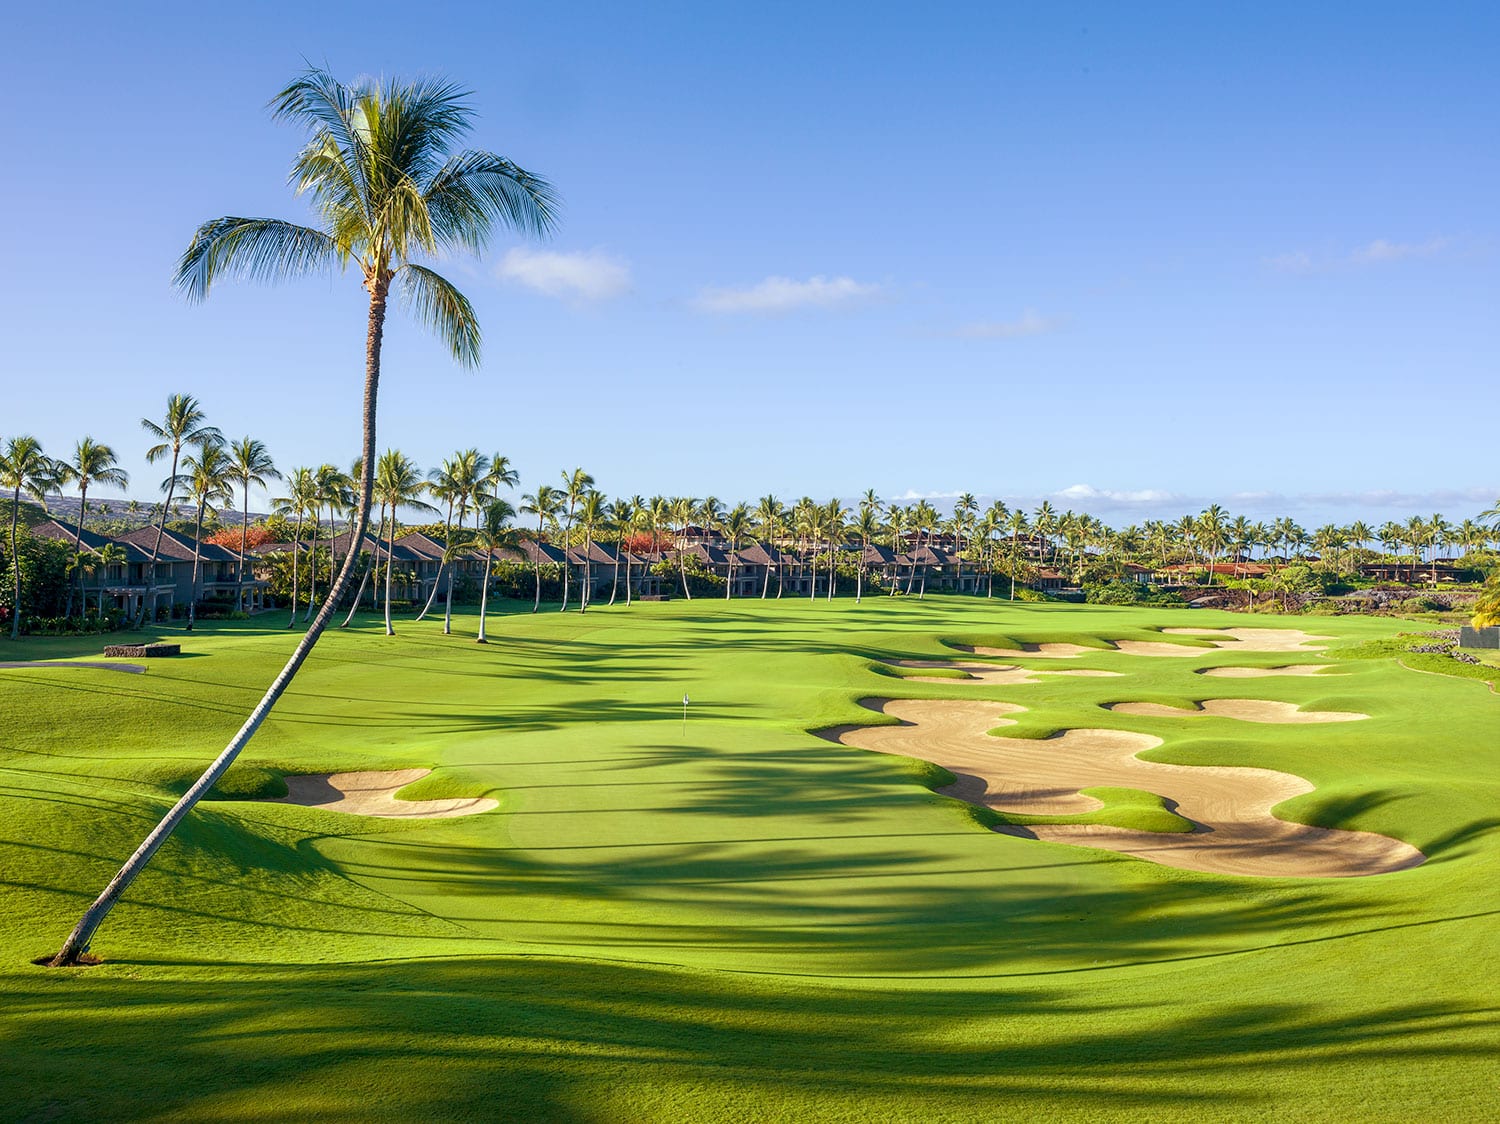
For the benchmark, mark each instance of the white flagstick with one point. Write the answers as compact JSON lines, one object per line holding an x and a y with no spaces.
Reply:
{"x":685,"y":701}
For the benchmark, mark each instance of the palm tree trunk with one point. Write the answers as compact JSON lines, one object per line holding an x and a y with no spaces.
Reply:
{"x":15,"y":565}
{"x":161,"y":526}
{"x":296,"y":572}
{"x":567,"y":566}
{"x":193,"y":585}
{"x":390,"y":566}
{"x":682,"y":565}
{"x":442,"y":563}
{"x":588,"y":570}
{"x":78,"y":940}
{"x":627,"y":580}
{"x":312,"y":570}
{"x":614,"y":583}
{"x":239,"y":593}
{"x":484,"y":600}
{"x":83,"y":509}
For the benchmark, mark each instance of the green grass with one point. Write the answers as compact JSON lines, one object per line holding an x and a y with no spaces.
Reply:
{"x":738,"y":921}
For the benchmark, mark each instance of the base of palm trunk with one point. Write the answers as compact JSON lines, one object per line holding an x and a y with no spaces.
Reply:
{"x":84,"y":960}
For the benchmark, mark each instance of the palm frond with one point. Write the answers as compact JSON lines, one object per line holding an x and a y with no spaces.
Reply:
{"x":442,"y":308}
{"x":475,"y":189}
{"x":255,"y":249}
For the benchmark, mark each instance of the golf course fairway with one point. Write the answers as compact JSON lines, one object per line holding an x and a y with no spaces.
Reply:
{"x":723,"y":915}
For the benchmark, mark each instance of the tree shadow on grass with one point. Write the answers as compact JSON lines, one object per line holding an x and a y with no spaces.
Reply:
{"x":565,"y":1040}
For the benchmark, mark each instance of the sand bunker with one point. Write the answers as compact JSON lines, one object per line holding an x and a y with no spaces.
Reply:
{"x":1234,"y":830}
{"x":989,"y":674}
{"x":373,"y":794}
{"x":1035,"y":651}
{"x":1264,"y":672}
{"x":1246,"y":710}
{"x":101,"y":665}
{"x":1255,"y":639}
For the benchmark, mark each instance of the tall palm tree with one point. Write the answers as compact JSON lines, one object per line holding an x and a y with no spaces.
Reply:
{"x":866,"y":525}
{"x":252,"y":465}
{"x":623,"y":513}
{"x":1211,"y":528}
{"x":93,"y":463}
{"x":206,"y":476}
{"x":1019,"y":528}
{"x":23,"y":468}
{"x":836,"y":528}
{"x":681,"y":512}
{"x":544,"y":504}
{"x":398,"y":483}
{"x":576,"y":485}
{"x":593,"y":513}
{"x":387,"y":187}
{"x":494,"y":533}
{"x":770,"y":512}
{"x":460,"y":482}
{"x":301,"y":497}
{"x":736,"y":524}
{"x":184,"y":423}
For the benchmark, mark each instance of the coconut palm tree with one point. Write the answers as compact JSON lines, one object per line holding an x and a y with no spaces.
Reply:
{"x":1020,"y":530}
{"x":23,"y":468}
{"x":576,"y":485}
{"x":544,"y":504}
{"x":398,"y":483}
{"x":770,"y":512}
{"x":92,"y":463}
{"x":494,"y":533}
{"x":387,"y":187}
{"x":866,"y":525}
{"x":1210,"y":527}
{"x":108,"y":556}
{"x":623,"y":513}
{"x":681,"y":512}
{"x":462,"y":483}
{"x":593,"y":513}
{"x":737,"y":524}
{"x":183,"y":424}
{"x":252,"y":465}
{"x":836,"y":528}
{"x":302,"y":497}
{"x":206,"y":476}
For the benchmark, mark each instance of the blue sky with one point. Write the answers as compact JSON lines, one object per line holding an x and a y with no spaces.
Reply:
{"x":1131,"y":257}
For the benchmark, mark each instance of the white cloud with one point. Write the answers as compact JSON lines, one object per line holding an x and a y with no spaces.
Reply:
{"x":782,"y":294}
{"x":589,"y":275}
{"x":1031,"y":323}
{"x":1299,"y":262}
{"x":1378,"y":252}
{"x":1087,"y":493}
{"x":912,"y":494}
{"x":1382,"y":251}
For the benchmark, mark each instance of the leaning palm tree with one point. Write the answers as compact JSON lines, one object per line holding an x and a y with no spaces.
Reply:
{"x":252,"y":465}
{"x":387,"y":187}
{"x":545,"y":503}
{"x":836,"y":527}
{"x":183,"y":424}
{"x":23,"y":468}
{"x":92,"y":463}
{"x":494,"y":533}
{"x":681,"y":512}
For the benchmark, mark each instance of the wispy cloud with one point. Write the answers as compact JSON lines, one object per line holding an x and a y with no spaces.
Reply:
{"x":1087,"y":493}
{"x":783,"y":294}
{"x":1382,"y":251}
{"x":1030,"y":323}
{"x":1379,"y":252}
{"x":911,"y":494}
{"x":587,"y":275}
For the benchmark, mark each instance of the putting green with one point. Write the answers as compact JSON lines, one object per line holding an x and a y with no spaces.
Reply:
{"x":729,"y":917}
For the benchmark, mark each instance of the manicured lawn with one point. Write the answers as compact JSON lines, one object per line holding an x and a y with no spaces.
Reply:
{"x":738,"y":921}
